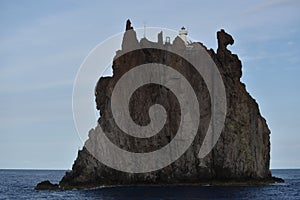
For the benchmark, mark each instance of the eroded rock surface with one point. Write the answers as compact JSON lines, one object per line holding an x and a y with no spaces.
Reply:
{"x":242,"y":153}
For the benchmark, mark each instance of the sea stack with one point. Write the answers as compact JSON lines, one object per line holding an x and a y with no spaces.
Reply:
{"x":241,"y":154}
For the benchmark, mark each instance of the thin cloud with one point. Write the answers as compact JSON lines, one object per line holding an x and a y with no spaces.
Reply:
{"x":14,"y":88}
{"x":261,"y":7}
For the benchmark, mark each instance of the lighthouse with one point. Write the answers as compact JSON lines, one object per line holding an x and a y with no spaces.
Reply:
{"x":182,"y":34}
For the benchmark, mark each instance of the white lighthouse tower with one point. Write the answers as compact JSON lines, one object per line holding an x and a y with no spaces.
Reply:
{"x":182,"y":34}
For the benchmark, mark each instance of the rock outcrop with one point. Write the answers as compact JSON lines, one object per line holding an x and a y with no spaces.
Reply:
{"x":241,"y":155}
{"x":47,"y":185}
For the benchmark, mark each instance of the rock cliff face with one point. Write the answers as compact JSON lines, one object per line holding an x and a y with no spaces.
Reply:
{"x":242,"y":152}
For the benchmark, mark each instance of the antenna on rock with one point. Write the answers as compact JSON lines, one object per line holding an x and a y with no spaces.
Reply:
{"x":144,"y":29}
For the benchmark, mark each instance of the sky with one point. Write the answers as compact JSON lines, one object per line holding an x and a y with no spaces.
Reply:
{"x":43,"y":43}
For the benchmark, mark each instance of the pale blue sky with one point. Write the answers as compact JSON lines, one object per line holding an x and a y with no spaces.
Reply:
{"x":43,"y":43}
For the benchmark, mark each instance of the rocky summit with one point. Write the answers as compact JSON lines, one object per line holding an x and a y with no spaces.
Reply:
{"x":241,"y":154}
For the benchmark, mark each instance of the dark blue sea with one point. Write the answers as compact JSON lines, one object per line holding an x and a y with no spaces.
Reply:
{"x":19,"y":184}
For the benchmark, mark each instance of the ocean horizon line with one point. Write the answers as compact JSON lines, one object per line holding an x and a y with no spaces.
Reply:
{"x":56,"y":169}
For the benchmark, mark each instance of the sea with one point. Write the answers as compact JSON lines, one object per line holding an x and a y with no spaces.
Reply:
{"x":19,"y":184}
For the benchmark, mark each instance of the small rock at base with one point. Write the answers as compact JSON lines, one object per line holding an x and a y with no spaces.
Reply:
{"x":46,"y":185}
